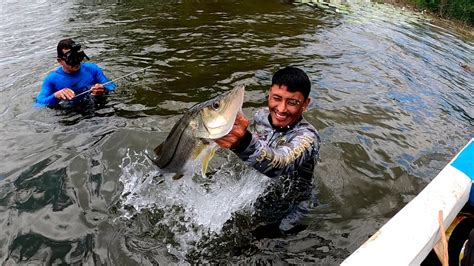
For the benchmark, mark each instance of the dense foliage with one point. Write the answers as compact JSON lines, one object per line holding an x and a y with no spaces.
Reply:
{"x":462,"y":10}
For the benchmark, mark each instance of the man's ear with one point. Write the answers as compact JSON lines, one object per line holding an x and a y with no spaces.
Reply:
{"x":306,"y":103}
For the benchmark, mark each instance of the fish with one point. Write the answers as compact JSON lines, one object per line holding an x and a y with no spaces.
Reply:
{"x":191,"y":140}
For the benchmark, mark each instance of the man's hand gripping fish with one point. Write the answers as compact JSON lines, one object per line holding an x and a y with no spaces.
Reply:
{"x":192,"y":137}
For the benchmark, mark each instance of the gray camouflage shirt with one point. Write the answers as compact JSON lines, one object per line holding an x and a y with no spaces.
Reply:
{"x":291,"y":151}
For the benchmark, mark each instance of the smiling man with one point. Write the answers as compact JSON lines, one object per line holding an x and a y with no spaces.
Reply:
{"x":284,"y":147}
{"x":283,"y":142}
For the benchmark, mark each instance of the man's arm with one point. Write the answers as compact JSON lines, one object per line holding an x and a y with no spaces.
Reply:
{"x":286,"y":158}
{"x":46,"y":95}
{"x":100,"y":78}
{"x":301,"y":146}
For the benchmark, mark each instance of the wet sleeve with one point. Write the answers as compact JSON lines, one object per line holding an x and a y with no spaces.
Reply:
{"x":46,"y":95}
{"x":285,"y":158}
{"x":101,"y":78}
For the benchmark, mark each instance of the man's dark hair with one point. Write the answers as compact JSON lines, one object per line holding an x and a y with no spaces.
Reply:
{"x":293,"y":78}
{"x":64,"y":44}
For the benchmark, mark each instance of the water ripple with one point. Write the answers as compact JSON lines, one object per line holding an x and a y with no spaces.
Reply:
{"x":392,"y":99}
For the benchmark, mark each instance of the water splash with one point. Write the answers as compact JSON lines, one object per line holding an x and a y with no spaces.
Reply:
{"x":192,"y":207}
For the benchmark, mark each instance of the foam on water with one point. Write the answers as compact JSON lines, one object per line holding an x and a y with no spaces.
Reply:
{"x":192,"y":206}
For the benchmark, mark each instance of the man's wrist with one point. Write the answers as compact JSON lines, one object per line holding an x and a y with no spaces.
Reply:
{"x":243,"y":143}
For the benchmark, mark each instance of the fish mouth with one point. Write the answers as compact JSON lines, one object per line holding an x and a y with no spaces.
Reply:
{"x":190,"y":137}
{"x":219,"y":117}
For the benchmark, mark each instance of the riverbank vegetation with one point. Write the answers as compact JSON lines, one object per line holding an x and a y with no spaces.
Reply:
{"x":455,"y":10}
{"x":458,"y":10}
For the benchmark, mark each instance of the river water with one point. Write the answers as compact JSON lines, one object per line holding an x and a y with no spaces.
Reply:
{"x":390,"y":99}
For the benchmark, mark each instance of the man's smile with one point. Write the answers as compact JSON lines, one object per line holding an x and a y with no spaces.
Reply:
{"x":280,"y":116}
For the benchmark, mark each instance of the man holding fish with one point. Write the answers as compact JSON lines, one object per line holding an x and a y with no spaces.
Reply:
{"x":283,"y":142}
{"x":283,"y":145}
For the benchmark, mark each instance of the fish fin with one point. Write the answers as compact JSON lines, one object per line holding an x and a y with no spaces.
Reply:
{"x":168,"y":149}
{"x":177,"y":176}
{"x":149,"y":157}
{"x":158,"y":149}
{"x":199,"y":147}
{"x":206,"y":159}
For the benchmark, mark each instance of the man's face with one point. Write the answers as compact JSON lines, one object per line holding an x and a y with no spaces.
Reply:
{"x":285,"y":107}
{"x":67,"y":68}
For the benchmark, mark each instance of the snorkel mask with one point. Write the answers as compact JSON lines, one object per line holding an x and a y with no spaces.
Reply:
{"x":74,"y":56}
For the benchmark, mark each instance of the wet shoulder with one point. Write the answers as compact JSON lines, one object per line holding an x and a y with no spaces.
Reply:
{"x":261,"y":117}
{"x":304,"y":128}
{"x":53,"y":74}
{"x":90,"y":66}
{"x":57,"y":71}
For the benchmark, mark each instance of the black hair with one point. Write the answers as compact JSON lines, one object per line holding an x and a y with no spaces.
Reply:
{"x":64,"y":44}
{"x":294,"y":79}
{"x":74,"y":56}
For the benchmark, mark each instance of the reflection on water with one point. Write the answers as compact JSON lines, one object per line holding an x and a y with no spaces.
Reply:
{"x":392,"y":100}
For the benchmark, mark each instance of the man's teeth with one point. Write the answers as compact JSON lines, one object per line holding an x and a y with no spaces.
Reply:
{"x":280,"y":115}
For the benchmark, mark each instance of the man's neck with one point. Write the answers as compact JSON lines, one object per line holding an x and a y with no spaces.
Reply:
{"x":68,"y":71}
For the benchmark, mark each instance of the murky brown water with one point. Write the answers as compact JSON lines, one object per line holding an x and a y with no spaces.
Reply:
{"x":390,"y":99}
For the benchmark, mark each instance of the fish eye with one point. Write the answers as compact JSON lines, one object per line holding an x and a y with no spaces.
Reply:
{"x":216,"y":105}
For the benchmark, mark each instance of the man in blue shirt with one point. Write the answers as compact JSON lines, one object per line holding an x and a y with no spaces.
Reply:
{"x":72,"y":78}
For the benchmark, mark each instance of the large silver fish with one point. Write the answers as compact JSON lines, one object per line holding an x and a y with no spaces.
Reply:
{"x":192,"y":138}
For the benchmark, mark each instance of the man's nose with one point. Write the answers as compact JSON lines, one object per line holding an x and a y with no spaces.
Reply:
{"x":281,"y":106}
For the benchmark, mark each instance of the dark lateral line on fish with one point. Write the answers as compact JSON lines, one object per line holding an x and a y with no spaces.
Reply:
{"x":175,"y":149}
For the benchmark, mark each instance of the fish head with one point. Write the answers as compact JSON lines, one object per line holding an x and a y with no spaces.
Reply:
{"x":216,"y":116}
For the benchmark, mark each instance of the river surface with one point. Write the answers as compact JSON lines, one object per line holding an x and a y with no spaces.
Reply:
{"x":390,"y":99}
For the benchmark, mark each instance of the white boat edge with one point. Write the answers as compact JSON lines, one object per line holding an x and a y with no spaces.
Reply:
{"x":408,"y":237}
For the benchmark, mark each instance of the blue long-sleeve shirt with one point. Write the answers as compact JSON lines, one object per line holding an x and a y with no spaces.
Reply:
{"x":88,"y":75}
